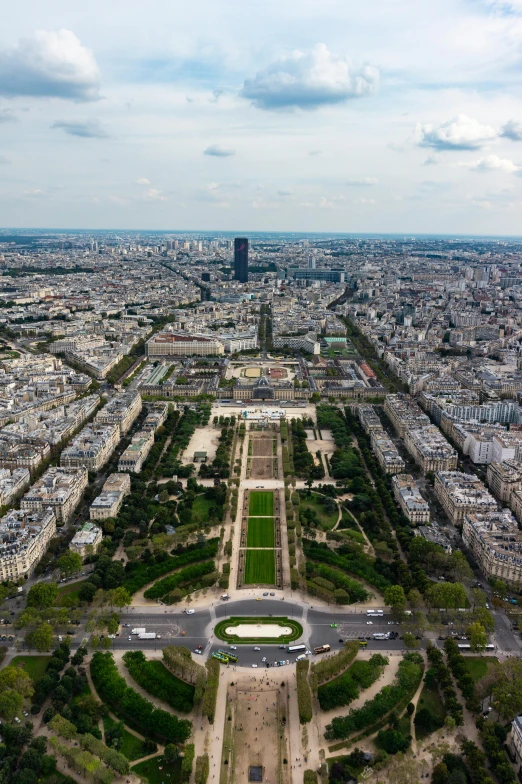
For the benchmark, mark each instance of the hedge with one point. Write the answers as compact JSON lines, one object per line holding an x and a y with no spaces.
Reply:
{"x":310,"y":777}
{"x":354,"y":562}
{"x":202,"y":769}
{"x":131,"y":706}
{"x":304,"y":695}
{"x":332,"y":666}
{"x":138,"y":574}
{"x":189,"y":574}
{"x":187,"y":761}
{"x":347,"y":687}
{"x":406,"y":682}
{"x":211,"y":690}
{"x":158,"y":681}
{"x":67,"y":730}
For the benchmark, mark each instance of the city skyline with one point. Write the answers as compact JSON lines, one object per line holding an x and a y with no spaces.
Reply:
{"x":402,"y":118}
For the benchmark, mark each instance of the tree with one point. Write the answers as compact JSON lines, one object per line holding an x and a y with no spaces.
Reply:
{"x":11,"y":703}
{"x":87,"y":592}
{"x":120,"y":597}
{"x":447,"y":595}
{"x":40,"y":638}
{"x":415,"y":598}
{"x":404,"y":770}
{"x":171,"y":753}
{"x":70,"y":563}
{"x":450,"y":723}
{"x":395,"y":598}
{"x":477,"y":637}
{"x":478,"y":597}
{"x":16,"y":678}
{"x":410,"y":641}
{"x":42,"y":595}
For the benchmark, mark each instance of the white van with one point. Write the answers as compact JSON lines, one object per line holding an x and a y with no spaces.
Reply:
{"x":301,"y":657}
{"x":190,"y":612}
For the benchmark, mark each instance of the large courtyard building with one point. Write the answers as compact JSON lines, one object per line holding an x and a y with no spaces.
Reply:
{"x":430,"y":450}
{"x":87,"y":540}
{"x":177,"y":344}
{"x":109,"y":502}
{"x":59,"y":489}
{"x":92,"y":447}
{"x":410,"y":500}
{"x":496,"y":543}
{"x":461,"y":494}
{"x":121,"y":410}
{"x":24,"y":537}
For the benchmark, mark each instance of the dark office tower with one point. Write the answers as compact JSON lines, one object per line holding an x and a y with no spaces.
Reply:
{"x":241,"y":259}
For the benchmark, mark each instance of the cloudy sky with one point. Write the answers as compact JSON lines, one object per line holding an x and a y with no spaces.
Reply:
{"x":297,"y":115}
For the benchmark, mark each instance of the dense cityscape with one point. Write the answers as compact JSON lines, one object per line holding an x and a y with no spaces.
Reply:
{"x":330,"y":425}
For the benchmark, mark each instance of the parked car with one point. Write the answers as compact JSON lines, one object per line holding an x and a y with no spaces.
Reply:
{"x":257,"y":648}
{"x":254,"y":665}
{"x":196,"y":650}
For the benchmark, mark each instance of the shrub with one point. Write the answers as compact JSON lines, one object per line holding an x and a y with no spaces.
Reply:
{"x":211,"y":690}
{"x":346,"y":688}
{"x":202,"y":769}
{"x":158,"y":681}
{"x":304,"y":695}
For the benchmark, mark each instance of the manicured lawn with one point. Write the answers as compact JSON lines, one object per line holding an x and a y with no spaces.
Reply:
{"x":132,"y":747}
{"x":327,"y":520}
{"x":260,"y":532}
{"x":33,"y":665}
{"x":429,"y":699}
{"x":70,"y":590}
{"x":478,"y":665}
{"x":261,"y":503}
{"x":200,"y":507}
{"x":150,"y":770}
{"x":220,"y":630}
{"x":260,"y":567}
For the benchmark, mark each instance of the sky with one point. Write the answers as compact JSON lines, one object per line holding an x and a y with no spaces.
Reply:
{"x":273,"y":115}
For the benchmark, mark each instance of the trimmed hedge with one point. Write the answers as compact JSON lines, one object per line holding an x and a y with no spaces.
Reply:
{"x":138,"y":574}
{"x":154,"y":677}
{"x":219,"y":630}
{"x":304,"y":695}
{"x":347,"y":687}
{"x":406,"y":682}
{"x":132,"y":707}
{"x":187,"y":575}
{"x":332,"y":666}
{"x":211,"y":690}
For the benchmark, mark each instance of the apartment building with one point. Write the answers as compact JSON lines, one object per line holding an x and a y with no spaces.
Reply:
{"x":156,"y":415}
{"x":430,"y":450}
{"x":22,"y":451}
{"x":110,"y":500}
{"x":121,"y":410}
{"x":60,"y":489}
{"x":507,"y":446}
{"x":134,"y":456}
{"x":410,"y":500}
{"x":404,"y":413}
{"x":170,"y":344}
{"x":386,"y":453}
{"x":369,"y":419}
{"x":515,"y":504}
{"x":516,"y":738}
{"x":504,"y":478}
{"x":24,"y":538}
{"x":12,"y":483}
{"x":87,"y":540}
{"x":496,"y":543}
{"x":461,"y":493}
{"x":434,"y":535}
{"x":92,"y":447}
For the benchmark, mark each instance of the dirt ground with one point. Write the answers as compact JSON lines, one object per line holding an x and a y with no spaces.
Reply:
{"x":262,"y":447}
{"x":262,"y":468}
{"x":204,"y":439}
{"x":277,"y":373}
{"x":259,"y":727}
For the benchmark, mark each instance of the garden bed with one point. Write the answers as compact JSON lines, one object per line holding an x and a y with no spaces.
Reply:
{"x":221,"y":632}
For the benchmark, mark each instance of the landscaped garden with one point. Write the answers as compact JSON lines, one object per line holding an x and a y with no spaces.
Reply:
{"x":233,"y":623}
{"x":260,"y":532}
{"x":34,"y":666}
{"x":261,"y":504}
{"x":260,"y":567}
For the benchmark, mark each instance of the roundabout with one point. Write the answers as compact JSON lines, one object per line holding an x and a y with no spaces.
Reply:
{"x":252,"y":630}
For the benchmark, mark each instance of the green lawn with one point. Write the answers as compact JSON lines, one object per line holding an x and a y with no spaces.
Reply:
{"x":260,"y":532}
{"x":132,"y":747}
{"x":150,"y":770}
{"x":260,"y":567}
{"x":71,"y":591}
{"x":430,"y":699}
{"x":33,"y":665}
{"x":478,"y":665}
{"x":261,"y":503}
{"x":313,"y":502}
{"x":200,"y":507}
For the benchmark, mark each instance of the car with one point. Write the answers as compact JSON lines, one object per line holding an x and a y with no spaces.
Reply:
{"x":265,"y":593}
{"x":257,"y":648}
{"x":258,"y":599}
{"x":11,"y":613}
{"x":17,"y":720}
{"x":189,"y":612}
{"x":255,"y":666}
{"x":308,"y":653}
{"x":287,"y":661}
{"x":233,"y":647}
{"x":390,"y":623}
{"x":263,"y":659}
{"x":126,"y":625}
{"x":25,"y":713}
{"x":130,"y":638}
{"x":334,"y":625}
{"x":281,"y":647}
{"x":282,"y":663}
{"x":369,"y":623}
{"x":73,"y":632}
{"x":200,"y":647}
{"x":196,"y":650}
{"x":487,"y":606}
{"x":272,"y":593}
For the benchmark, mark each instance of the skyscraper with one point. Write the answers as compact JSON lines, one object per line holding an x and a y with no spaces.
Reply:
{"x":241,"y":259}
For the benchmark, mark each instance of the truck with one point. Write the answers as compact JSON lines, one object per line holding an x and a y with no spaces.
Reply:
{"x":225,"y":596}
{"x":149,"y":636}
{"x":139,"y":630}
{"x":322,"y":649}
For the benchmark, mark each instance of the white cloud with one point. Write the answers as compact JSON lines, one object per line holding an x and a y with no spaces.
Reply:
{"x":143,"y":181}
{"x":37,"y":193}
{"x":153,"y":194}
{"x":6,"y":115}
{"x":512,"y":130}
{"x":364,"y":201}
{"x":86,"y":129}
{"x":362,"y":183}
{"x":50,"y":64}
{"x":461,"y":133}
{"x":306,"y":80}
{"x":432,"y":160}
{"x":492,"y":163}
{"x":219,"y":151}
{"x":285,"y":193}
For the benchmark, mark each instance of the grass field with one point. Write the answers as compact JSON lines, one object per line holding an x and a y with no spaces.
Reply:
{"x":260,"y":567}
{"x":327,"y":520}
{"x":200,"y":507}
{"x":33,"y":665}
{"x":70,"y":591}
{"x":132,"y":747}
{"x":430,"y":699}
{"x":156,"y":771}
{"x":260,"y":532}
{"x":261,"y":503}
{"x":478,"y":665}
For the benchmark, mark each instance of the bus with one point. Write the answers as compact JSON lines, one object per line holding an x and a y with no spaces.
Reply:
{"x":296,"y":648}
{"x":467,"y":647}
{"x":381,"y":636}
{"x":322,"y":649}
{"x":374,"y":613}
{"x":220,"y":657}
{"x":231,"y":656}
